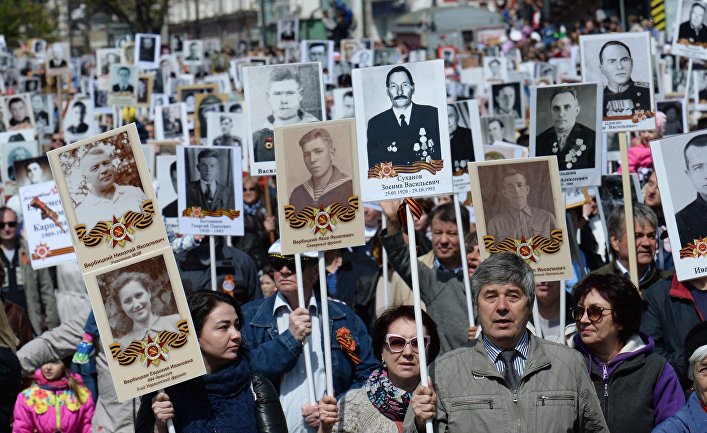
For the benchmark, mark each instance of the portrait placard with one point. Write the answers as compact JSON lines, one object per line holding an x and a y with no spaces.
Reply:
{"x":611,"y":192}
{"x":193,"y":53}
{"x":57,"y":59}
{"x":43,"y":111}
{"x":675,"y":116}
{"x":507,"y":99}
{"x":403,"y":138}
{"x":19,"y":135}
{"x":171,"y":123}
{"x":79,"y":122}
{"x":690,"y":30}
{"x":520,"y":208}
{"x":385,"y":56}
{"x":495,"y":68}
{"x":13,"y":151}
{"x":294,"y":95}
{"x":464,"y":140}
{"x":144,"y":322}
{"x":318,"y":51}
{"x":320,"y":207}
{"x":127,"y":53}
{"x":681,"y":164}
{"x":105,"y":57}
{"x":110,"y":205}
{"x":32,"y":171}
{"x":565,"y":122}
{"x":287,"y":32}
{"x":210,"y":190}
{"x":17,"y":112}
{"x":147,"y":50}
{"x":187,"y":93}
{"x":144,"y":89}
{"x":123,"y":87}
{"x":205,"y":103}
{"x":623,"y":64}
{"x":157,"y":100}
{"x":45,"y":225}
{"x":343,"y":103}
{"x":167,"y":178}
{"x":225,"y":129}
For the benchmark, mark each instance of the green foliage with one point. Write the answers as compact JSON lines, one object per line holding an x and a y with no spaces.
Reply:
{"x":142,"y":16}
{"x":24,"y":19}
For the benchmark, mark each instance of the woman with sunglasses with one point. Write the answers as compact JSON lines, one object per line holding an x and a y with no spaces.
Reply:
{"x":380,"y":405}
{"x":258,"y":225}
{"x":637,"y":388}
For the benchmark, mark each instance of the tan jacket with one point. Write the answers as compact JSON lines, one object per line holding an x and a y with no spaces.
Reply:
{"x":400,"y":293}
{"x":555,"y":394}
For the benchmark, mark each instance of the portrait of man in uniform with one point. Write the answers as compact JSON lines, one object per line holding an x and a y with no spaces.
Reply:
{"x":406,"y":132}
{"x":622,"y":95}
{"x":518,"y":219}
{"x":692,"y":219}
{"x":226,"y":138}
{"x":572,"y":142}
{"x":284,"y":95}
{"x":460,"y":140}
{"x":327,"y":184}
{"x":210,"y":192}
{"x":105,"y":198}
{"x":693,"y":31}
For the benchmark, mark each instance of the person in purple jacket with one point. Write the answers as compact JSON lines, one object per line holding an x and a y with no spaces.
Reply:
{"x":637,"y":388}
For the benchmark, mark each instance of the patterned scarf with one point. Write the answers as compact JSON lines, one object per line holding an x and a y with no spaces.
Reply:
{"x":251,"y":208}
{"x":390,"y":400}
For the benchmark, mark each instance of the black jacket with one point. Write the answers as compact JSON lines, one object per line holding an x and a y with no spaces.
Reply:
{"x":10,"y":376}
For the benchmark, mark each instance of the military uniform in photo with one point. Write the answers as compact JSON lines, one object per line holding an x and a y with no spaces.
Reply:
{"x":338,"y":190}
{"x":692,"y":221}
{"x":264,"y":149}
{"x":575,"y":151}
{"x":404,"y":137}
{"x":627,"y":99}
{"x":462,"y":148}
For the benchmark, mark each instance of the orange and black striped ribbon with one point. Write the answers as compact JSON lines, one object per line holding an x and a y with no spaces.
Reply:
{"x":413,"y":205}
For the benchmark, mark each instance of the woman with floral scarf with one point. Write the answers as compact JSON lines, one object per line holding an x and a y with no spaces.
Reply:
{"x":380,"y":405}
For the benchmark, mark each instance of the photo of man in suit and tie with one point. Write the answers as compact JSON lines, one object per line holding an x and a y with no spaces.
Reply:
{"x":406,"y":132}
{"x":212,"y":191}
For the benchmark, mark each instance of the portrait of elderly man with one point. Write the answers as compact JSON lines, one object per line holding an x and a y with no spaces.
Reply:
{"x":209,"y":192}
{"x":406,"y":132}
{"x":517,"y":218}
{"x":572,"y":142}
{"x":327,"y":184}
{"x":284,"y":95}
{"x":503,"y":377}
{"x":105,"y":198}
{"x":460,"y":140}
{"x":506,"y":100}
{"x":692,"y":219}
{"x":57,"y":57}
{"x":693,"y":31}
{"x":622,"y":95}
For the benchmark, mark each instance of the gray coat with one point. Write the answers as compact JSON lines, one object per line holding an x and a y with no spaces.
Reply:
{"x":61,"y":342}
{"x":555,"y":393}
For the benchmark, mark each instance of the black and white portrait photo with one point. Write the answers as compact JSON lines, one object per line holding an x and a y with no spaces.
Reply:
{"x":495,"y":68}
{"x":43,"y":110}
{"x":187,"y":93}
{"x":156,"y":101}
{"x":622,"y":62}
{"x":675,"y":117}
{"x":176,"y":43}
{"x":464,"y":140}
{"x":105,"y":57}
{"x":17,"y":112}
{"x":171,"y":122}
{"x":566,"y":123}
{"x":498,"y":130}
{"x":123,"y":85}
{"x":193,"y":52}
{"x":397,"y":120}
{"x":343,"y":103}
{"x":206,"y":103}
{"x":147,"y":50}
{"x":690,"y":37}
{"x":30,"y":84}
{"x":225,"y":129}
{"x":385,"y":56}
{"x":681,"y":170}
{"x":144,"y":89}
{"x":280,"y":95}
{"x":318,"y":51}
{"x":38,"y":46}
{"x":57,"y":59}
{"x":287,"y":32}
{"x":32,"y":171}
{"x":16,"y":151}
{"x":507,"y":99}
{"x":78,"y":120}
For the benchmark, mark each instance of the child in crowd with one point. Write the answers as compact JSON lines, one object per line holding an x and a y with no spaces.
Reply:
{"x":56,"y":402}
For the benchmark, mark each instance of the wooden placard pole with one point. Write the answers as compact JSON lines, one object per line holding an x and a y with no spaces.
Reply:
{"x":212,"y":258}
{"x":384,"y":253}
{"x":307,"y":355}
{"x":412,"y":246}
{"x":465,"y":265}
{"x":687,"y":83}
{"x":563,"y":310}
{"x":268,"y":204}
{"x":628,"y":208}
{"x":326,"y":337}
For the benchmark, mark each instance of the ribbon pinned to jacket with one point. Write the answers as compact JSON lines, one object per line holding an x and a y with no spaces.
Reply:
{"x":413,"y":205}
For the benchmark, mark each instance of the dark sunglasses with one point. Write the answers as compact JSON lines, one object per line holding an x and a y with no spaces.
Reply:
{"x":594,"y":312}
{"x":396,"y":343}
{"x":12,"y":224}
{"x":249,"y":189}
{"x":280,"y":261}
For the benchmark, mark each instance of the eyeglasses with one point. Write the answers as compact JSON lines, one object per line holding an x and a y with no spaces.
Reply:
{"x":280,"y":262}
{"x":249,"y":189}
{"x":594,"y":312}
{"x":11,"y":224}
{"x":397,"y":343}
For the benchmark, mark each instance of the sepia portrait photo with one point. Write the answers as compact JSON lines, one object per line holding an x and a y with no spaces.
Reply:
{"x":32,"y":171}
{"x":144,"y":89}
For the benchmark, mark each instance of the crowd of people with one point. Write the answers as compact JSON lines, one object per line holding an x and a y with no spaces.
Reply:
{"x":632,"y":358}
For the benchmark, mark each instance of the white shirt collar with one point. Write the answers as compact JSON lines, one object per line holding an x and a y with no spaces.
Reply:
{"x":281,"y":302}
{"x":407,"y":112}
{"x":212,"y":184}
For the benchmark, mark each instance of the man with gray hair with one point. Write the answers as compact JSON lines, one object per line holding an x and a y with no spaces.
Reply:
{"x":645,"y":224}
{"x":507,"y":378}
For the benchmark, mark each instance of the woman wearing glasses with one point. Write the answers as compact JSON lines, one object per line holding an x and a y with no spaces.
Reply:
{"x":637,"y":388}
{"x":380,"y":405}
{"x":258,"y":225}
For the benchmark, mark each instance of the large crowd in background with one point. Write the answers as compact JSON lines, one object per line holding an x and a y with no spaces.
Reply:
{"x":631,"y":359}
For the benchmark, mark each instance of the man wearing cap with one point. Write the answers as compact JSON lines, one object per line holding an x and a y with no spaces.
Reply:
{"x":275,"y":330}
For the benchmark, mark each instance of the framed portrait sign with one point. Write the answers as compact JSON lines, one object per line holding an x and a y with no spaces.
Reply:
{"x":287,"y":32}
{"x":144,"y":89}
{"x":105,"y":57}
{"x":210,"y":190}
{"x":147,"y":50}
{"x":495,"y":68}
{"x":520,"y":208}
{"x":318,"y":51}
{"x":343,"y":103}
{"x":123,"y":85}
{"x":171,"y":122}
{"x":279,"y":95}
{"x":225,"y":129}
{"x":320,"y":207}
{"x":32,"y":171}
{"x":565,"y":122}
{"x":45,"y":224}
{"x":57,"y":59}
{"x":153,"y":345}
{"x":12,"y":152}
{"x":17,"y":112}
{"x":205,"y":103}
{"x":681,"y":164}
{"x":402,"y":136}
{"x":79,"y":122}
{"x":193,"y":52}
{"x":611,"y":192}
{"x":507,"y":99}
{"x":110,"y":205}
{"x":675,"y":116}
{"x":623,"y":64}
{"x":187,"y":93}
{"x":43,"y":112}
{"x":464,"y":140}
{"x":690,"y":30}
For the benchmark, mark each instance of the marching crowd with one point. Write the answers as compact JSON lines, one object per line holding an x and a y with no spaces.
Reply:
{"x":632,"y":359}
